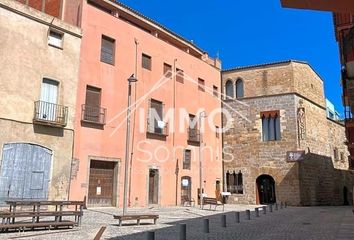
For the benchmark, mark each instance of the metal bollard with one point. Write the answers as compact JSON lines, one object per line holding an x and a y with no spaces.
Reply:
{"x":237,"y":216}
{"x":183,"y":231}
{"x":223,"y":221}
{"x":150,"y":235}
{"x":206,"y":225}
{"x":248,"y":214}
{"x":271,"y":208}
{"x":276,"y":206}
{"x":256,"y":210}
{"x":285,"y":205}
{"x":281,"y":205}
{"x":264,"y":210}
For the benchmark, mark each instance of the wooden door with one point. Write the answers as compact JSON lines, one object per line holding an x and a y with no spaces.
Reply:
{"x":153,"y":186}
{"x":25,"y":172}
{"x":101,"y":183}
{"x":186,"y":189}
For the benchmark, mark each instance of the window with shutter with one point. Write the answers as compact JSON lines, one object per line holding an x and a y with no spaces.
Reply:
{"x":156,"y":123}
{"x":187,"y":159}
{"x":179,"y":76}
{"x":146,"y":61}
{"x":215,"y":91}
{"x":92,"y":104}
{"x":107,"y":50}
{"x":201,"y":85}
{"x":167,"y":70}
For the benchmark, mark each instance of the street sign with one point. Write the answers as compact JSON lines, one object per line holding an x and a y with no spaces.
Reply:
{"x":295,"y":156}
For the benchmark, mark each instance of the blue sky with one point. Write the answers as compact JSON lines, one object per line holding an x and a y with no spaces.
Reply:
{"x":245,"y":32}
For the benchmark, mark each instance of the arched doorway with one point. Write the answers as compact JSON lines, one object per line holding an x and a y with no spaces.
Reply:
{"x":186,"y":189}
{"x":266,"y":189}
{"x":345,"y":196}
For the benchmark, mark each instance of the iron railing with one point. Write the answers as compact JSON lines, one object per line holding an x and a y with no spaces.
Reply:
{"x":157,"y":127}
{"x":193,"y":135}
{"x":92,"y":114}
{"x":50,"y":114}
{"x":238,"y":189}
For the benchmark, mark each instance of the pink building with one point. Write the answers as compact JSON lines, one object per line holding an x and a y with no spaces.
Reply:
{"x":164,"y":168}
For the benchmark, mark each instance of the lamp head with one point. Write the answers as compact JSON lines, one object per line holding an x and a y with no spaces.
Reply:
{"x":132,"y":79}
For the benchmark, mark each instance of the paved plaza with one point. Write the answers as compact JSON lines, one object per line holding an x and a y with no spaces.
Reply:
{"x":335,"y":223}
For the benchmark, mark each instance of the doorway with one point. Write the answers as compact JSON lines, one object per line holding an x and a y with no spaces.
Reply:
{"x":101,"y":183}
{"x":186,"y":189}
{"x":265,"y":189}
{"x":153,"y":186}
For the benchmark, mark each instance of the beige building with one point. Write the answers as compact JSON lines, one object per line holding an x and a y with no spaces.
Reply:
{"x":38,"y":87}
{"x":281,"y":146}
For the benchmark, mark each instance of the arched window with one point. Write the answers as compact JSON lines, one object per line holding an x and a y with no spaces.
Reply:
{"x":239,"y":88}
{"x":229,"y":89}
{"x":234,"y":182}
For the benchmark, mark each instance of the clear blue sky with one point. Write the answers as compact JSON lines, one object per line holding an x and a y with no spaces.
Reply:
{"x":246,"y":32}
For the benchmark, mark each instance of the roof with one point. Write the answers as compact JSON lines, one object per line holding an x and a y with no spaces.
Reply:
{"x":270,"y":64}
{"x":157,"y":24}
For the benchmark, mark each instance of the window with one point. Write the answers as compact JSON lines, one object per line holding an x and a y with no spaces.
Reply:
{"x":234,"y":182}
{"x":146,"y":61}
{"x":167,"y":70}
{"x":229,"y":89}
{"x":155,"y":120}
{"x":271,"y":126}
{"x":342,"y":156}
{"x":217,"y":132}
{"x":193,"y":131}
{"x":55,"y":39}
{"x":239,"y":89}
{"x":92,"y":111}
{"x":215,"y":91}
{"x":187,"y":159}
{"x":179,"y":75}
{"x":335,"y":154}
{"x":201,"y":85}
{"x":107,"y":50}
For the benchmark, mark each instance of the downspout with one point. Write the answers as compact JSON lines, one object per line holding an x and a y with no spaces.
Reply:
{"x":174,"y":123}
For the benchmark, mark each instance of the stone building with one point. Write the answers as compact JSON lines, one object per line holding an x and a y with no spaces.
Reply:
{"x":281,"y":146}
{"x":38,"y":83}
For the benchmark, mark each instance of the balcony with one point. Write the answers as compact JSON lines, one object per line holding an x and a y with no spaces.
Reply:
{"x":155,"y":127}
{"x":95,"y":115}
{"x":193,"y":135}
{"x":50,"y":114}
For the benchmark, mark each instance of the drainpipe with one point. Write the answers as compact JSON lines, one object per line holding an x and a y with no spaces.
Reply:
{"x":174,"y":123}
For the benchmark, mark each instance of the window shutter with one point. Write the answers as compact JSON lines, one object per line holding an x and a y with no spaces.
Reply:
{"x":167,"y":70}
{"x":93,"y":97}
{"x":146,"y":61}
{"x":180,"y":75}
{"x":107,"y":50}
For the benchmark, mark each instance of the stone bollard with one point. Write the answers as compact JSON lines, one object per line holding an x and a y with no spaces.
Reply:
{"x":150,"y":235}
{"x":248,"y":214}
{"x":271,"y":208}
{"x":264,"y":210}
{"x":223,"y":221}
{"x":237,"y":216}
{"x":276,"y":206}
{"x":206,"y":225}
{"x":285,"y":205}
{"x":182,"y":231}
{"x":256,"y":210}
{"x":281,"y":205}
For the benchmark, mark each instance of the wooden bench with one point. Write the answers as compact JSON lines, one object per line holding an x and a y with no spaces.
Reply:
{"x":212,"y":201}
{"x":29,"y":225}
{"x":136,"y":217}
{"x":7,"y":216}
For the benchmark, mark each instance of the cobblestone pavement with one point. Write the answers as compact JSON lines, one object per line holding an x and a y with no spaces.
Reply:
{"x":335,"y":223}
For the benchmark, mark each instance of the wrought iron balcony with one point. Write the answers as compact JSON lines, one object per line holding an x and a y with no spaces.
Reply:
{"x":193,"y":135}
{"x":46,"y":113}
{"x":157,"y":127}
{"x":90,"y":114}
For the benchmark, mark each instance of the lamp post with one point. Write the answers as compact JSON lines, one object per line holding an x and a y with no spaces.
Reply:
{"x":131,"y":79}
{"x":201,"y":116}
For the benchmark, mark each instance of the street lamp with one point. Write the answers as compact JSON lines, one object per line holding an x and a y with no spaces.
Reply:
{"x":131,"y":79}
{"x":201,"y":116}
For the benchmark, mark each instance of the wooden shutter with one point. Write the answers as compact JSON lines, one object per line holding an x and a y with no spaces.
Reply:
{"x":107,"y":50}
{"x":201,"y":85}
{"x":146,"y":61}
{"x":180,"y":75}
{"x":187,"y":159}
{"x":93,"y":96}
{"x":167,"y":70}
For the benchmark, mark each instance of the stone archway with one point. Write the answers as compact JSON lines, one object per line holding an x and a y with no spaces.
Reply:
{"x":265,"y":189}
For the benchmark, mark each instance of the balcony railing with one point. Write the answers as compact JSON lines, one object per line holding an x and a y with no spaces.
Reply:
{"x":46,"y":113}
{"x":157,"y":127}
{"x":193,"y":135}
{"x":238,"y":189}
{"x":92,"y":114}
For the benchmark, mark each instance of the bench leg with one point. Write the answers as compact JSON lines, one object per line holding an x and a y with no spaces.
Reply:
{"x":155,"y":221}
{"x":120,"y":223}
{"x":138,"y":221}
